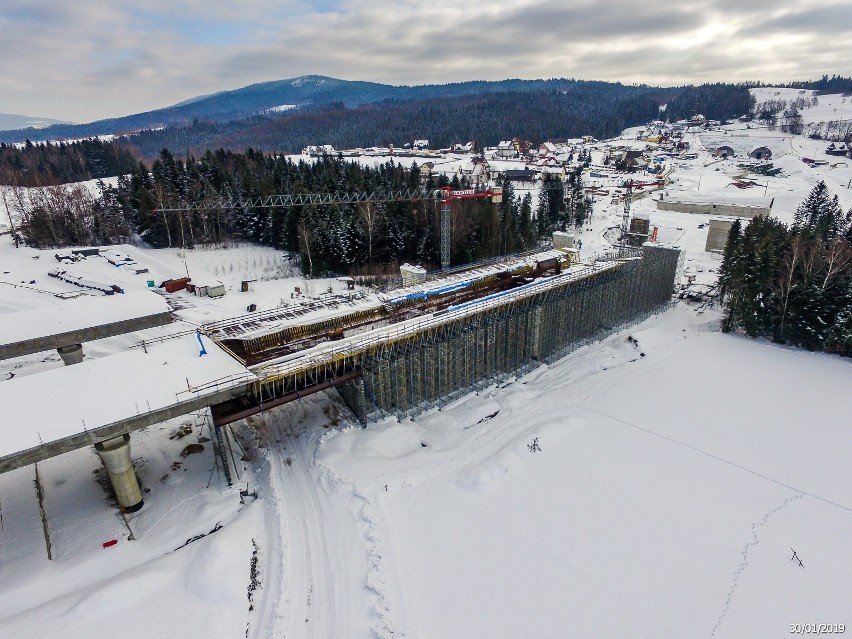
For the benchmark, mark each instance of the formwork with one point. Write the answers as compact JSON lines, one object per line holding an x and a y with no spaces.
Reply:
{"x":508,"y":339}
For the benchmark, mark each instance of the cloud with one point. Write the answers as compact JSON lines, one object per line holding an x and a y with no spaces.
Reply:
{"x":101,"y":58}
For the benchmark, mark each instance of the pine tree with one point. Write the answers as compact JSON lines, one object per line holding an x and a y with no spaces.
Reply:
{"x":526,"y":223}
{"x":821,"y":214}
{"x":541,"y":214}
{"x":750,"y":276}
{"x":728,"y":266}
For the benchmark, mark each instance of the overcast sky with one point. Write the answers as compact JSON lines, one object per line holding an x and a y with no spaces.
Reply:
{"x":91,"y":59}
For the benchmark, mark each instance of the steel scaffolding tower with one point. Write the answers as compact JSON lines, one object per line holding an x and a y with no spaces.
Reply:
{"x":512,"y":338}
{"x":405,"y":368}
{"x":445,"y":233}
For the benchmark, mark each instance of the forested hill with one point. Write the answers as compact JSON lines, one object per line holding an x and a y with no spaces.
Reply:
{"x":244,"y":108}
{"x":50,"y":164}
{"x":594,"y":108}
{"x":443,"y":121}
{"x":296,"y":93}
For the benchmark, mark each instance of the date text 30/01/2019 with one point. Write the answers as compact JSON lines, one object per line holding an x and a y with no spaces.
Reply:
{"x":817,"y":628}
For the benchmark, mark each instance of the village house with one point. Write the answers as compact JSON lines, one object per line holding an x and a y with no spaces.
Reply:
{"x":426,"y":171}
{"x":467,"y":147}
{"x":477,"y":170}
{"x":547,"y":149}
{"x":519,"y":175}
{"x":628,"y":159}
{"x":548,"y":161}
{"x":522,"y":147}
{"x":320,"y":149}
{"x":506,"y":150}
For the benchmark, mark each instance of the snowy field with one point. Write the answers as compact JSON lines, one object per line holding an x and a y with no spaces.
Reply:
{"x":651,"y":487}
{"x":669,"y":488}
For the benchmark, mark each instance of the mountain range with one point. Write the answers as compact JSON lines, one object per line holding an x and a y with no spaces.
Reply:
{"x":310,"y":91}
{"x":10,"y":121}
{"x":285,"y":115}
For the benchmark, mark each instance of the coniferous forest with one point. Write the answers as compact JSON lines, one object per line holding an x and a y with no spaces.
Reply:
{"x":599,"y":109}
{"x":46,"y":164}
{"x":792,"y":284}
{"x":336,"y":238}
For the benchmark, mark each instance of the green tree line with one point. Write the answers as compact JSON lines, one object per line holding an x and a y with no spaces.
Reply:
{"x":48,"y":164}
{"x":792,"y":284}
{"x":334,"y":238}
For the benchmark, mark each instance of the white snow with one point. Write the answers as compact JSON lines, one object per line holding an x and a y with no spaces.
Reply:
{"x":652,"y":474}
{"x":101,"y":391}
{"x":281,"y":108}
{"x":666,"y":499}
{"x":64,"y":315}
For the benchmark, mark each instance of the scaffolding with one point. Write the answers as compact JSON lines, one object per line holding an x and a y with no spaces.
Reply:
{"x":408,"y":367}
{"x":469,"y":353}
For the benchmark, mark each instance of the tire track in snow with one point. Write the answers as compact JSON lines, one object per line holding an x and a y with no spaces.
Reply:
{"x":315,"y":613}
{"x":270,"y":613}
{"x":744,"y":563}
{"x":383,"y":627}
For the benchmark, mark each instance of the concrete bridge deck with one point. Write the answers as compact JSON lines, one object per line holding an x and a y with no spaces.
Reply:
{"x":78,"y":320}
{"x":57,"y":411}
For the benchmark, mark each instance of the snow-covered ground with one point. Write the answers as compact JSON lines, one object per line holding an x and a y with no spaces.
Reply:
{"x":651,"y":487}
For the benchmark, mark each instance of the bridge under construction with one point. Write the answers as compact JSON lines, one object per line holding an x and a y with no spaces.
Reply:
{"x":399,"y":352}
{"x":421,"y":349}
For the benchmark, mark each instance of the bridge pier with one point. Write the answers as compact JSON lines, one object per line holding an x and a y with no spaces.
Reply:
{"x":71,"y":354}
{"x":115,"y":454}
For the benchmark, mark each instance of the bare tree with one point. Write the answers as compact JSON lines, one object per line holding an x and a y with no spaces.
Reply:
{"x":370,"y":220}
{"x":788,"y":277}
{"x":159,"y":191}
{"x":838,"y":260}
{"x":6,"y":177}
{"x":306,"y":243}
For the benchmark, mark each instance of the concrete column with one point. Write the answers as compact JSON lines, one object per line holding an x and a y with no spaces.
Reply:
{"x":115,"y":454}
{"x":72,"y":354}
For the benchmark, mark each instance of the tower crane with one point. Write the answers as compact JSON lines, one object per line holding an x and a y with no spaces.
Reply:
{"x":445,"y":196}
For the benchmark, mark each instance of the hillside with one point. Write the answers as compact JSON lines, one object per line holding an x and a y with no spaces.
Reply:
{"x":10,"y":121}
{"x":305,"y":92}
{"x":229,"y":112}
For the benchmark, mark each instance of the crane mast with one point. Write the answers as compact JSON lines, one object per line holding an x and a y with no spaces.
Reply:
{"x":628,"y":198}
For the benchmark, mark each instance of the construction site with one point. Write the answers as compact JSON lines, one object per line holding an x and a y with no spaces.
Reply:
{"x":424,"y":346}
